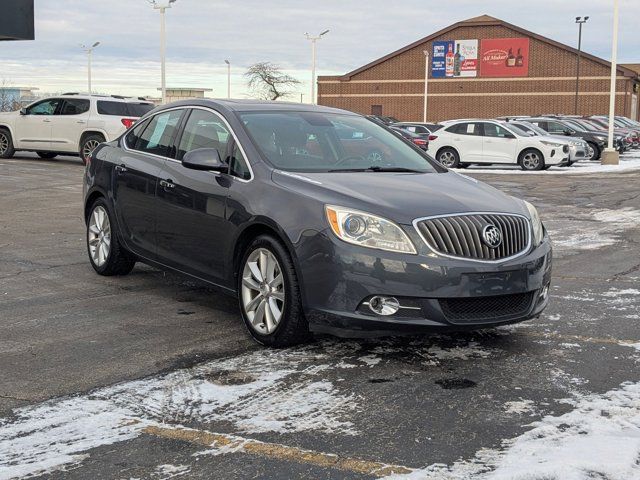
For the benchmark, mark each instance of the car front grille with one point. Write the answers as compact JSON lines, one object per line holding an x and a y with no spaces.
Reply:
{"x":463,"y":235}
{"x":486,"y":309}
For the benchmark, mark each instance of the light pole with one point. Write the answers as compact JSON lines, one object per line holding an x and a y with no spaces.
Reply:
{"x":89,"y":52}
{"x":580,"y":21}
{"x":314,"y":39}
{"x":228,"y":78}
{"x":610,"y":155}
{"x":162,"y":6}
{"x":426,"y":84}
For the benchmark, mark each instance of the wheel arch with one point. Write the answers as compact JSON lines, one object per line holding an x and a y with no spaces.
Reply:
{"x":8,"y":127}
{"x":92,"y":131}
{"x":447,"y":147}
{"x":535,"y":149}
{"x":91,"y":197}
{"x":261,"y":226}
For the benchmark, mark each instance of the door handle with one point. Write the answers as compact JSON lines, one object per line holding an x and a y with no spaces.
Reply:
{"x":46,"y":121}
{"x":121,"y":169}
{"x":81,"y":121}
{"x":167,"y":184}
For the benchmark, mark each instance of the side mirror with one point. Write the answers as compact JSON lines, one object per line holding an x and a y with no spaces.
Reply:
{"x":207,"y":159}
{"x":568,"y":131}
{"x":23,"y":111}
{"x":531,"y":133}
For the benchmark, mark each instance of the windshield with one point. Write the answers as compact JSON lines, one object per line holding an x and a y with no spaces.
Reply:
{"x":518,"y":130}
{"x":326,"y":142}
{"x":575,"y":125}
{"x":533,"y":127}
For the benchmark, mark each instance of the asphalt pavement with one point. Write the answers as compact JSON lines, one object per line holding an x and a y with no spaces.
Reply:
{"x":153,"y":376}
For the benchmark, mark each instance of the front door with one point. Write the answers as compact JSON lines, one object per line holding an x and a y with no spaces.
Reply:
{"x":193,"y":231}
{"x":136,"y":180}
{"x":33,"y":130}
{"x":68,"y":125}
{"x":499,"y":145}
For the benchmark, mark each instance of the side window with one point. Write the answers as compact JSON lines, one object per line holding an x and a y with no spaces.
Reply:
{"x":46,"y":107}
{"x":411,"y":129}
{"x":75,"y":107}
{"x":493,"y":130}
{"x":204,"y":129}
{"x":555,"y":127}
{"x":542,"y":125}
{"x":420,"y":129}
{"x":238,"y":164}
{"x":466,"y":129}
{"x":158,"y":137}
{"x":133,"y":137}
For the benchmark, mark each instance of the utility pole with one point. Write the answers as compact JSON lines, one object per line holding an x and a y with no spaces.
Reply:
{"x":426,"y":84}
{"x":313,"y":40}
{"x":228,"y":78}
{"x":580,"y":21}
{"x":162,"y":6}
{"x":610,"y":155}
{"x":89,"y":51}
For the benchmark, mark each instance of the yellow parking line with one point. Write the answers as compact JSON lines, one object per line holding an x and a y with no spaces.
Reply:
{"x":277,"y":451}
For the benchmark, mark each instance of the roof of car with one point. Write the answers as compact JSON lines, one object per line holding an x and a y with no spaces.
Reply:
{"x":111,"y":98}
{"x":250,"y":105}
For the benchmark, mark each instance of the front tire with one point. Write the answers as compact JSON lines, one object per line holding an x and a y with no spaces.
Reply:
{"x":531,"y":160}
{"x":6,"y":144}
{"x":448,"y":158}
{"x":596,"y":151}
{"x":269,"y":295}
{"x":88,"y":145}
{"x":106,"y":255}
{"x":47,"y":155}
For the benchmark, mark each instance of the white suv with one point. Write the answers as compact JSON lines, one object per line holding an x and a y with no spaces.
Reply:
{"x":68,"y":124}
{"x":463,"y":142}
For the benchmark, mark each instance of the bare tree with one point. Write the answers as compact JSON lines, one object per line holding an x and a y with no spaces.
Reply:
{"x":267,"y":81}
{"x":8,"y":100}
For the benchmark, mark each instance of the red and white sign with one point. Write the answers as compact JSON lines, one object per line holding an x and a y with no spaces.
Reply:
{"x":504,"y":57}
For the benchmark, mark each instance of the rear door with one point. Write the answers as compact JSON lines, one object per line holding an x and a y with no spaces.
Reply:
{"x":499,"y":144}
{"x":67,"y":126}
{"x":467,"y":140}
{"x":193,"y":231}
{"x":136,"y":179}
{"x":33,"y":130}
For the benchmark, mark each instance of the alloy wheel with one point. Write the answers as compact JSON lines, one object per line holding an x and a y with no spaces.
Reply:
{"x":88,"y":148}
{"x":99,"y":234}
{"x":531,"y":161}
{"x":447,"y":158}
{"x":263,"y":294}
{"x":4,"y":143}
{"x":591,"y":152}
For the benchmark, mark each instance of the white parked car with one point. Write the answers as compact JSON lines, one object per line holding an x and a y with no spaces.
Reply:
{"x":68,"y":124}
{"x":463,"y":142}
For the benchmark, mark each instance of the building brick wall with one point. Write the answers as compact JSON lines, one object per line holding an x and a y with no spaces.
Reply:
{"x":398,"y":84}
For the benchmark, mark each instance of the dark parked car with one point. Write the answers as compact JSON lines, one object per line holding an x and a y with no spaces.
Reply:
{"x":383,"y":119}
{"x":266,"y":201}
{"x":424,"y":129}
{"x":414,"y":138}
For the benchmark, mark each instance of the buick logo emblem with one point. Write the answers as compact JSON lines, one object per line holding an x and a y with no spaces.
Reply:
{"x":492,"y":236}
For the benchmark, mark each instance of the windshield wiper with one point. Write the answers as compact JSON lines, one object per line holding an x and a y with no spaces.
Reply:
{"x":376,"y":168}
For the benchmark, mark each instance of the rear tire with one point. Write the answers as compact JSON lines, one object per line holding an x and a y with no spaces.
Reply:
{"x":448,"y":157}
{"x":47,"y":155}
{"x":6,"y":144}
{"x":88,"y":144}
{"x":107,"y":256}
{"x":531,"y":160}
{"x":596,"y":151}
{"x":269,"y":295}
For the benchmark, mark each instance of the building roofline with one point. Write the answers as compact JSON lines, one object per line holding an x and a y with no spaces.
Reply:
{"x":483,"y":20}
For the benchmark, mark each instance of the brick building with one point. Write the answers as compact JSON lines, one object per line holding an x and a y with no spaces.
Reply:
{"x":499,"y":69}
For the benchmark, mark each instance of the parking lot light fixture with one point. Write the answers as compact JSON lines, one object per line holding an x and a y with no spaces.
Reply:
{"x":89,"y":52}
{"x":610,"y":156}
{"x":228,"y":78}
{"x":426,"y":84}
{"x":314,"y":39}
{"x":161,"y":6}
{"x":580,"y":21}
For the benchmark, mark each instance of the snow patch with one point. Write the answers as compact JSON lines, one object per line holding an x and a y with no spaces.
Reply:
{"x":167,"y":471}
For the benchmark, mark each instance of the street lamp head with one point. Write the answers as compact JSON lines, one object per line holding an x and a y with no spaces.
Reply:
{"x":581,"y":19}
{"x":586,"y":18}
{"x":161,"y":4}
{"x":325,"y":32}
{"x":95,"y":45}
{"x":227,"y":62}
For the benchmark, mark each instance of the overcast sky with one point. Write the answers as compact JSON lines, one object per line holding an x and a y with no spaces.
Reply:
{"x":202,"y":33}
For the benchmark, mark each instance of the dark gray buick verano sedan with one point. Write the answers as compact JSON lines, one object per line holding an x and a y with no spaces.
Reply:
{"x":317,"y":219}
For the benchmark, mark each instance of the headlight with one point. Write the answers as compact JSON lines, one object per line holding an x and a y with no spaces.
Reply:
{"x":536,"y":224}
{"x":368,"y":230}
{"x":552,"y":144}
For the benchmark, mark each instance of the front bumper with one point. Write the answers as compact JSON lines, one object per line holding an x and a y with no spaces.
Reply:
{"x":434,"y":292}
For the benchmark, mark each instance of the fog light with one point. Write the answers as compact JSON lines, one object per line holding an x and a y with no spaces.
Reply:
{"x":384,"y":305}
{"x":544,"y":293}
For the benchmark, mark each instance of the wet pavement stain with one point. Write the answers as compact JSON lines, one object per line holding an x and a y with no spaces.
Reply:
{"x":455,"y":383}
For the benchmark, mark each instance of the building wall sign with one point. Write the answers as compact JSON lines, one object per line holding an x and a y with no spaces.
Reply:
{"x":504,"y":57}
{"x":455,"y":58}
{"x":496,"y":57}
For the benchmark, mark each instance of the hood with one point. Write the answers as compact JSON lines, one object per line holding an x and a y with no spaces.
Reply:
{"x":401,"y":197}
{"x":554,"y":138}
